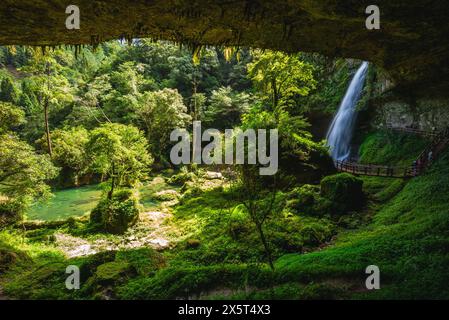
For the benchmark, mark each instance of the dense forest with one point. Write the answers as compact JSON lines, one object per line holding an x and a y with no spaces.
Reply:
{"x":86,"y":179}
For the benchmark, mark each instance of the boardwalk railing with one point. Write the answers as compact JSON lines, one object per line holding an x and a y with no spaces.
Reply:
{"x":438,"y":144}
{"x":376,"y":170}
{"x":435,"y":148}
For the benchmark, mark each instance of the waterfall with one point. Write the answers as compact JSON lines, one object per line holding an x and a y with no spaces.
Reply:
{"x":340,"y":132}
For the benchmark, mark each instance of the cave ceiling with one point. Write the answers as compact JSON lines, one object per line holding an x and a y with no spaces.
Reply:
{"x":412,"y":44}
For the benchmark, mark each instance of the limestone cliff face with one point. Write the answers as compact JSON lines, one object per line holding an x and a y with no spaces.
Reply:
{"x":412,"y":45}
{"x":385,"y":103}
{"x":425,"y":114}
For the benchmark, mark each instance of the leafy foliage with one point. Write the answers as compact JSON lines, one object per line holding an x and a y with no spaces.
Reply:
{"x":69,"y":148}
{"x":23,"y":173}
{"x":226,"y":108}
{"x":116,"y":215}
{"x":10,"y":117}
{"x":8,"y":91}
{"x":119,"y":152}
{"x":159,"y":113}
{"x":281,"y":77}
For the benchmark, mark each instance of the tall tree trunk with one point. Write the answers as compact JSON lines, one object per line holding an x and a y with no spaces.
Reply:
{"x":46,"y":103}
{"x":47,"y":128}
{"x":194,"y":113}
{"x":111,"y":192}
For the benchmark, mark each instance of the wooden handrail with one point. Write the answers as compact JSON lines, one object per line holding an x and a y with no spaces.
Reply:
{"x":375,"y":170}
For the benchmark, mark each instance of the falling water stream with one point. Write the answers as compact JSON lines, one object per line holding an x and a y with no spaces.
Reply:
{"x":340,"y":132}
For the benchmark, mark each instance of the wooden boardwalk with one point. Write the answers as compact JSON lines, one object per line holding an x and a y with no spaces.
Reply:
{"x":375,"y":170}
{"x":438,"y":144}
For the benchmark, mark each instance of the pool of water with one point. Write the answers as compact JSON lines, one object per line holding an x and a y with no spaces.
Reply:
{"x":66,"y":203}
{"x":78,"y":201}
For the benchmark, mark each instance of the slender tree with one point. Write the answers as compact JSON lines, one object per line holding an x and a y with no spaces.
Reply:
{"x":50,"y":88}
{"x":119,"y":152}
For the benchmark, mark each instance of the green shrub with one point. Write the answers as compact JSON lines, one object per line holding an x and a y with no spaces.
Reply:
{"x":10,"y":211}
{"x":344,"y":190}
{"x":116,"y":215}
{"x":305,"y":200}
{"x":190,"y":190}
{"x":182,"y":177}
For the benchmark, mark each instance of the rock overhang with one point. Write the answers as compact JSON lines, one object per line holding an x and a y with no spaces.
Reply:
{"x":412,"y":44}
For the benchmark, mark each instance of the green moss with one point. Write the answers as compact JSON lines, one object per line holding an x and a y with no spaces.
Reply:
{"x":112,"y":271}
{"x":344,"y":191}
{"x":43,"y":281}
{"x":88,"y":265}
{"x":145,"y":261}
{"x":185,"y":282}
{"x":407,"y":240}
{"x":190,"y":190}
{"x":380,"y":189}
{"x":9,"y":257}
{"x":391,"y":148}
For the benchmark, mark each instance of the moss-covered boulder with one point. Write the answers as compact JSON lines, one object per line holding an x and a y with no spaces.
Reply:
{"x":112,"y":272}
{"x":166,"y":195}
{"x":10,"y":257}
{"x":344,"y":191}
{"x":116,"y":215}
{"x":146,"y":261}
{"x":104,"y":273}
{"x":88,"y":265}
